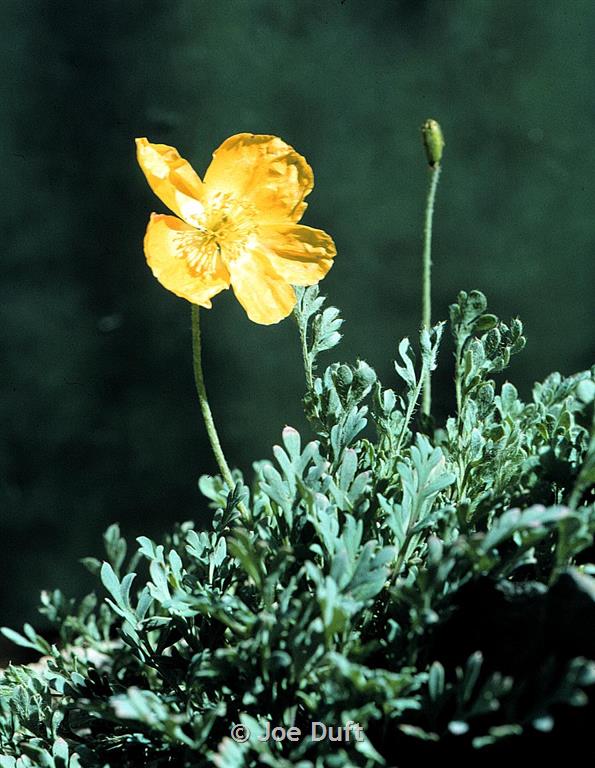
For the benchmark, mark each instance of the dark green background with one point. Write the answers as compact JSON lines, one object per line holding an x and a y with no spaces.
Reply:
{"x":98,"y":417}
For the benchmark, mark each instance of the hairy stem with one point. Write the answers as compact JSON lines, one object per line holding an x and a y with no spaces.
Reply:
{"x":304,"y":342}
{"x":410,"y":407}
{"x":204,"y":402}
{"x":458,"y":379}
{"x":427,"y":278}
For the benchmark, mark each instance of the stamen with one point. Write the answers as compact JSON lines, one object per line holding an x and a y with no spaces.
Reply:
{"x":199,"y":250}
{"x":229,"y":226}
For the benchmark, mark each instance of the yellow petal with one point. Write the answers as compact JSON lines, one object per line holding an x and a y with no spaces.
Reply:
{"x":300,"y":255}
{"x":265,"y":296}
{"x":263,"y":170}
{"x":182,"y":262}
{"x":172,"y":179}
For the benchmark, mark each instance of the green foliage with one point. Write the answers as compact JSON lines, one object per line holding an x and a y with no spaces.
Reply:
{"x":378,"y":578}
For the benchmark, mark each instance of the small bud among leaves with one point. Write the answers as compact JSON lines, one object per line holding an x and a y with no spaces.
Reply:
{"x":433,"y":142}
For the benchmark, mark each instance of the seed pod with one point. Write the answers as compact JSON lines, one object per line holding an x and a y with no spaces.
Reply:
{"x":433,"y":142}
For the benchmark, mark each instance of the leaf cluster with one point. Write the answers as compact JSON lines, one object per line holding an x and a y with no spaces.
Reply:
{"x":431,"y":583}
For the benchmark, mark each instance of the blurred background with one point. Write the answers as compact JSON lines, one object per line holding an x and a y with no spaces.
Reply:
{"x":98,"y":416}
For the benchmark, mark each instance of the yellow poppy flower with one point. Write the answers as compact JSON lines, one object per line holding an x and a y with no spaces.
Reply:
{"x":238,"y":226}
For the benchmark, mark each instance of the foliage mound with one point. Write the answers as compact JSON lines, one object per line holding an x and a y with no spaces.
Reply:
{"x":429,"y":582}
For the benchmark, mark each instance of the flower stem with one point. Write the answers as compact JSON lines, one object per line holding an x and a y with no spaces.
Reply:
{"x":204,"y":402}
{"x":427,"y":279}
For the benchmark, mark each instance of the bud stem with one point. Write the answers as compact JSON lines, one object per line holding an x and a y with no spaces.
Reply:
{"x":427,"y":277}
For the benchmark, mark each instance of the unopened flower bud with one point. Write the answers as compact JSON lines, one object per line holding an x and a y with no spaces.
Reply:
{"x":433,"y":141}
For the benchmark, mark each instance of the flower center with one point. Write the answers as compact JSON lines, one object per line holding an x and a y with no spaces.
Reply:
{"x":230,"y":222}
{"x":227,"y":226}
